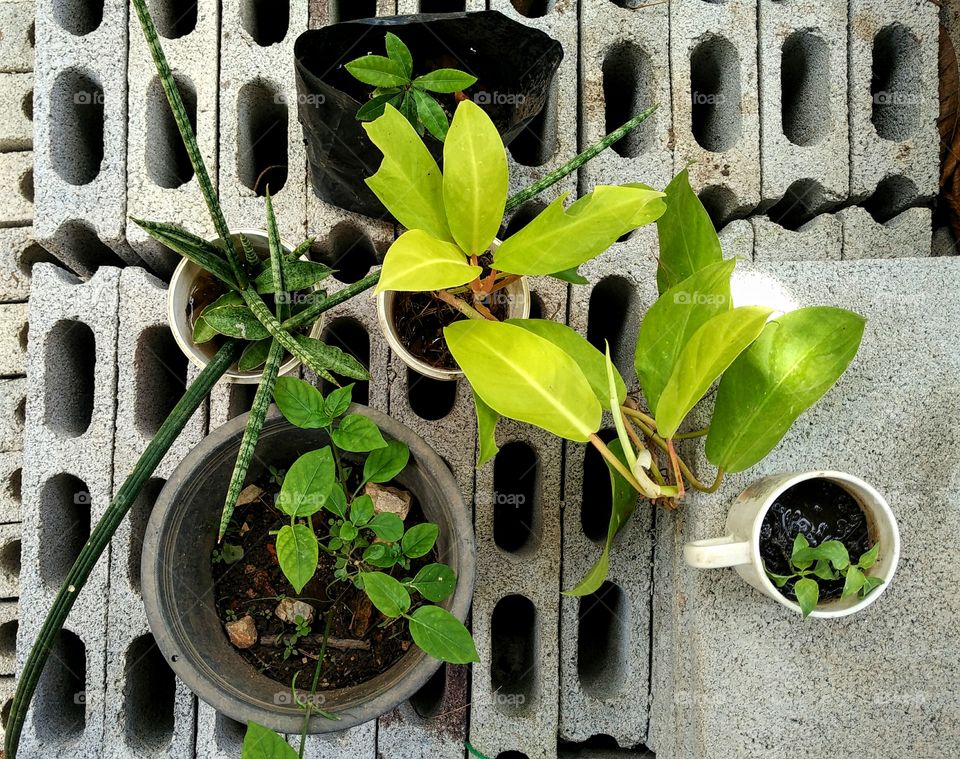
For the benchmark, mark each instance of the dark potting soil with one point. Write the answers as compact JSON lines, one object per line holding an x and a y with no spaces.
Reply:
{"x":255,"y":584}
{"x":821,"y":510}
{"x":421,"y":317}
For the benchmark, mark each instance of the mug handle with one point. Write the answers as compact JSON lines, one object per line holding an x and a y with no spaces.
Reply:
{"x":712,"y":553}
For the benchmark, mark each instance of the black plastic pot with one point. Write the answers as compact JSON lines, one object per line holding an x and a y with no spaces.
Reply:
{"x":514,"y":65}
{"x":178,"y":582}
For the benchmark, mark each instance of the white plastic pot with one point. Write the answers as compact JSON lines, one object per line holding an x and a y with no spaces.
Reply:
{"x":740,"y":548}
{"x":178,"y":297}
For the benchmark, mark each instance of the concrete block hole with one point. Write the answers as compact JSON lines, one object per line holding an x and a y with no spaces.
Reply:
{"x":442,"y":6}
{"x":627,"y":89}
{"x":78,"y":17}
{"x":893,"y":195}
{"x":601,"y":747}
{"x":149,"y":693}
{"x":84,"y":248}
{"x":516,"y":498}
{"x":349,"y":251}
{"x":805,"y":88}
{"x":428,"y":701}
{"x":61,"y":701}
{"x":895,"y":84}
{"x":603,"y":641}
{"x":262,"y":121}
{"x":533,"y":8}
{"x":138,"y":518}
{"x":167,"y":161}
{"x":69,"y":363}
{"x":351,"y":10}
{"x":514,"y":654}
{"x":161,"y":378}
{"x":715,"y":93}
{"x":609,"y":320}
{"x":65,"y":506}
{"x":429,"y":398}
{"x":266,"y":21}
{"x":351,"y":337}
{"x":596,"y":497}
{"x":10,"y":561}
{"x":76,"y":126}
{"x":174,"y":18}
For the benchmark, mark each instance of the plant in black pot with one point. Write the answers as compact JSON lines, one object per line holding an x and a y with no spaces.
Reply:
{"x":512,"y":66}
{"x":344,"y":576}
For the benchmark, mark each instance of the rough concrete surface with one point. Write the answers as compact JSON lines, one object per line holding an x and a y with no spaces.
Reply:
{"x":16,"y":111}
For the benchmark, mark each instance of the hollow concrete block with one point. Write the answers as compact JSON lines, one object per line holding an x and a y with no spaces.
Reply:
{"x":16,"y":175}
{"x":17,"y":41}
{"x":907,"y":235}
{"x":16,"y":112}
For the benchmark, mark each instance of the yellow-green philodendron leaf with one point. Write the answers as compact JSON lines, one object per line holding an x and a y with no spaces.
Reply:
{"x":688,"y":240}
{"x":522,"y":376}
{"x":487,"y":420}
{"x":417,"y":262}
{"x":474,"y":178}
{"x":558,"y":239}
{"x":673,"y":319}
{"x":591,"y":361}
{"x":708,"y":353}
{"x":798,"y":357}
{"x":408,"y":182}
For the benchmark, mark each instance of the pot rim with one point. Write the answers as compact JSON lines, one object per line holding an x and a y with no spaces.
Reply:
{"x":187,"y":271}
{"x":175,"y":644}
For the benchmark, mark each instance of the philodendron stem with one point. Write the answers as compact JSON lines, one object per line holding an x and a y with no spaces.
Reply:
{"x":618,"y":465}
{"x":100,"y":537}
{"x":461,"y":305}
{"x":575,"y":163}
{"x":664,"y":446}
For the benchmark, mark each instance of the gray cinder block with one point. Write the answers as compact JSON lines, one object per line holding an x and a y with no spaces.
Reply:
{"x":80,"y":133}
{"x":16,"y":111}
{"x":11,"y":479}
{"x":803,"y":99}
{"x":13,"y":339}
{"x":907,"y":235}
{"x":13,"y":400}
{"x":10,"y":560}
{"x":358,"y":742}
{"x":713,"y":68}
{"x":258,"y":118}
{"x":733,"y":673}
{"x":551,"y":139}
{"x":8,"y":640}
{"x":516,"y":602}
{"x":818,"y":239}
{"x":67,"y":485}
{"x":893,"y":98}
{"x":16,"y":176}
{"x":737,"y":239}
{"x":16,"y":43}
{"x":604,"y":638}
{"x":18,"y":253}
{"x":622,"y":73}
{"x":160,"y":182}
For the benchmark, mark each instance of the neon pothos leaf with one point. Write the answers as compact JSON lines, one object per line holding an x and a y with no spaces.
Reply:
{"x":474,"y":178}
{"x":688,"y":240}
{"x":707,"y":354}
{"x":408,"y":181}
{"x":673,"y":319}
{"x":559,"y":239}
{"x":795,"y":361}
{"x":525,"y":377}
{"x":487,"y":420}
{"x":589,"y":359}
{"x":418,"y":262}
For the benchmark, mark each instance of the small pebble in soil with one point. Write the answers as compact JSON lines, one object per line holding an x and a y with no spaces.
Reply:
{"x":242,"y":632}
{"x":290,"y":608}
{"x":388,"y":499}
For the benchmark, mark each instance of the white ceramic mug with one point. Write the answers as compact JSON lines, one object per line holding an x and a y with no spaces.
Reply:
{"x":740,"y":548}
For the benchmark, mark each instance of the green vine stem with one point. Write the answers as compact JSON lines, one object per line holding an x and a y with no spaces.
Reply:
{"x":100,"y":537}
{"x":573,"y":164}
{"x":664,"y":445}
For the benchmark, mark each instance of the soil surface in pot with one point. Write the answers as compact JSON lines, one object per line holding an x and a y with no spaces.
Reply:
{"x":359,"y":647}
{"x":821,"y":510}
{"x":419,"y":319}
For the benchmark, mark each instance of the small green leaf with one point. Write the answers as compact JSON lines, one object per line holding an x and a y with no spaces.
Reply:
{"x":869,"y":585}
{"x":550,"y":392}
{"x":868,"y":559}
{"x":357,"y":434}
{"x":835,"y":552}
{"x":445,"y":81}
{"x":408,"y":182}
{"x":558,"y":239}
{"x":383,"y":464}
{"x":854,"y":581}
{"x":487,"y":420}
{"x":301,"y":403}
{"x":378,"y":71}
{"x":824,"y":571}
{"x":348,"y":531}
{"x":234,"y":321}
{"x":431,"y":115}
{"x":338,"y":401}
{"x":688,"y":240}
{"x":308,"y":483}
{"x":801,"y":556}
{"x":336,"y":502}
{"x":361,"y":510}
{"x":231,"y":553}
{"x":708,"y":353}
{"x":420,"y":539}
{"x":591,"y":361}
{"x":441,"y":635}
{"x":378,"y":555}
{"x":386,"y":526}
{"x":778,"y":580}
{"x":397,"y":51}
{"x":202,"y":332}
{"x":796,"y":359}
{"x":808,"y":593}
{"x":261,"y":743}
{"x":474,"y":179}
{"x":435,"y":582}
{"x":298,"y":553}
{"x":254,"y":355}
{"x":297,"y":275}
{"x":386,"y":593}
{"x":374,"y":107}
{"x":408,"y":107}
{"x":418,"y":262}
